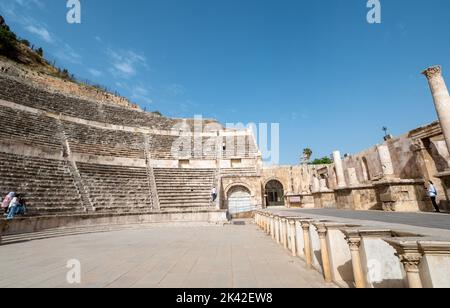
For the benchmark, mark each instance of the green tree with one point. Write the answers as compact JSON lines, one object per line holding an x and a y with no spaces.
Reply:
{"x":25,"y":42}
{"x":8,"y":43}
{"x":40,"y":51}
{"x":307,"y":153}
{"x":322,"y":161}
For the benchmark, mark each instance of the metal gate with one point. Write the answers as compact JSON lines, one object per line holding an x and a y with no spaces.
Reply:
{"x":239,"y":200}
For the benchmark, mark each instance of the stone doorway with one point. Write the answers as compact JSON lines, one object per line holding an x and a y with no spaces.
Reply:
{"x":274,"y":192}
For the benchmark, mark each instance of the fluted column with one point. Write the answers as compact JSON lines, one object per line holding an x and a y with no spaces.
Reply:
{"x":339,"y":169}
{"x":410,"y":256}
{"x":272,"y":226}
{"x":277,"y":229}
{"x":292,"y":237}
{"x":441,"y":99}
{"x":354,"y":243}
{"x":285,"y":233}
{"x":307,"y":242}
{"x":322,"y":231}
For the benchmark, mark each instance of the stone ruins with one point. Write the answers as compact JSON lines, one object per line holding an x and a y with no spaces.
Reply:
{"x":81,"y":161}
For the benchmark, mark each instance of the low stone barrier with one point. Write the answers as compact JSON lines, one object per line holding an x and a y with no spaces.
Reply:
{"x":360,"y":256}
{"x":42,"y":223}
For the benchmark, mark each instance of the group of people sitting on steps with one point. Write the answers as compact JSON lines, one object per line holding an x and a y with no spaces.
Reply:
{"x":13,"y":205}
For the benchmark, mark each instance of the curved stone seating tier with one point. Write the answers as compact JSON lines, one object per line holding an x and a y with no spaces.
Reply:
{"x":104,"y":142}
{"x":24,"y":94}
{"x":116,"y":189}
{"x":161,"y":147}
{"x":46,"y":185}
{"x":248,"y":171}
{"x":184,"y":187}
{"x":128,"y":117}
{"x":27,"y":95}
{"x":239,"y":146}
{"x":30,"y":129}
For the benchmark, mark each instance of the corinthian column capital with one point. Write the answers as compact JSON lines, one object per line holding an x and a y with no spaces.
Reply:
{"x":432,"y":71}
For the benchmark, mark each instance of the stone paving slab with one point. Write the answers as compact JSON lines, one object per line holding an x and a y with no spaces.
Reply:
{"x":175,"y":257}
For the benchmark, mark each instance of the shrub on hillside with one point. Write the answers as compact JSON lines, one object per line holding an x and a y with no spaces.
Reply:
{"x":8,"y":43}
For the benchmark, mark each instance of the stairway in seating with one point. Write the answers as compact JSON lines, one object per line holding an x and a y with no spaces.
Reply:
{"x":116,"y":189}
{"x":184,"y":188}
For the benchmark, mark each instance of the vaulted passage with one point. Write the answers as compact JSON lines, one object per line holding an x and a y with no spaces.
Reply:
{"x":274,"y":193}
{"x":239,"y":200}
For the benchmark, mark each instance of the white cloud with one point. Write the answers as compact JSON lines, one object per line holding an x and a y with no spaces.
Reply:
{"x":138,"y":92}
{"x":175,"y":90}
{"x":94,"y":72}
{"x":21,"y":12}
{"x":28,"y":3}
{"x":66,"y":53}
{"x":125,"y":63}
{"x":41,"y":32}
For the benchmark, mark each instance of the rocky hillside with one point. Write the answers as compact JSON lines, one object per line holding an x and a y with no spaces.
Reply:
{"x":19,"y":59}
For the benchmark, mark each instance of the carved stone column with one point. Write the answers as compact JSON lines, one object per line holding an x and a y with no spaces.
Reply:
{"x":441,"y":99}
{"x":285,"y":233}
{"x":386,"y":161}
{"x":293,"y":237}
{"x":410,"y":256}
{"x":354,"y":243}
{"x":322,"y":231}
{"x":307,"y":242}
{"x":339,"y":169}
{"x":277,"y":229}
{"x":272,"y":226}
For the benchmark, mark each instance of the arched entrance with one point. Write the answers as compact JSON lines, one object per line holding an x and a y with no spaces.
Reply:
{"x":274,"y":193}
{"x":239,"y":200}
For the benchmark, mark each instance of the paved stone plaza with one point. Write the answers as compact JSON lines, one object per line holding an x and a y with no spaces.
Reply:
{"x":194,"y":256}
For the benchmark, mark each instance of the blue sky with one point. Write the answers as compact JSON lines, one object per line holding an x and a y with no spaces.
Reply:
{"x":317,"y":67}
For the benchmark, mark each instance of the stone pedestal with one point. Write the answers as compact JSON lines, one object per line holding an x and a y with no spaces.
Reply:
{"x":426,"y":261}
{"x":324,"y":199}
{"x":435,"y":265}
{"x":379,"y":265}
{"x":398,"y":195}
{"x":340,"y":259}
{"x":299,"y":201}
{"x":360,"y":197}
{"x":410,"y":257}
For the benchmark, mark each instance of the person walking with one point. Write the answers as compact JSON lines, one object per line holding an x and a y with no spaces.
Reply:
{"x":432,"y":193}
{"x":214,"y":194}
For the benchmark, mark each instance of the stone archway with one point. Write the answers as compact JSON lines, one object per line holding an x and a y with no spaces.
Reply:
{"x":274,"y":193}
{"x":239,"y":200}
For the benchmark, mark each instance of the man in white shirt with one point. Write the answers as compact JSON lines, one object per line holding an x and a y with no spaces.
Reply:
{"x":432,"y":193}
{"x":214,"y":194}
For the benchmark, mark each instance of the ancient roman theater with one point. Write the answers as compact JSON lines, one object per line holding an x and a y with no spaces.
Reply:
{"x":127,"y":193}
